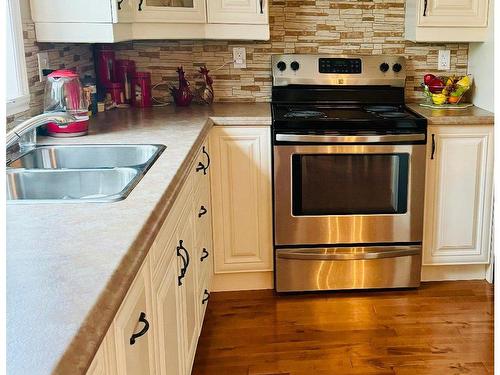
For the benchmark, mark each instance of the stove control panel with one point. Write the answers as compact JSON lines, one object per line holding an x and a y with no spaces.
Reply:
{"x":340,"y":65}
{"x":330,"y":69}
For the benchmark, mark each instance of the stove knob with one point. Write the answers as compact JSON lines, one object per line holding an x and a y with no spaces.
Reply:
{"x":397,"y":67}
{"x":384,"y":67}
{"x":281,"y":66}
{"x":295,"y":66}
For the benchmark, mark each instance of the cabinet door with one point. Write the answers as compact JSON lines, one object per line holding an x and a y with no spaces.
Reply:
{"x":123,"y":10}
{"x":93,"y":11}
{"x":238,"y":11}
{"x":241,"y":198}
{"x":175,"y":11}
{"x":133,"y":329}
{"x":458,"y":204}
{"x":452,"y":13}
{"x":189,"y":286}
{"x":104,"y":362}
{"x":167,"y":305}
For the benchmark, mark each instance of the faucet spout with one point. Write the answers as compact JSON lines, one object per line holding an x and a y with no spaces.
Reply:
{"x":60,"y":118}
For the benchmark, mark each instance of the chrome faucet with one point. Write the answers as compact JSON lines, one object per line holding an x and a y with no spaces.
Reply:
{"x":14,"y":135}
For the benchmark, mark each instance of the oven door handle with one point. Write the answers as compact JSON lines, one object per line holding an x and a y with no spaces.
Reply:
{"x":312,"y":138}
{"x":308,"y":254}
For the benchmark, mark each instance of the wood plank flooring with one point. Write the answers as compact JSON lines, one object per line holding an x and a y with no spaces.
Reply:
{"x":443,"y":328}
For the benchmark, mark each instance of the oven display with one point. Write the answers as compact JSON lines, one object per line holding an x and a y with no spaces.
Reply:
{"x":338,"y":65}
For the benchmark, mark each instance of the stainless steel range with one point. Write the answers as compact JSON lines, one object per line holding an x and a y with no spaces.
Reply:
{"x":349,"y":169}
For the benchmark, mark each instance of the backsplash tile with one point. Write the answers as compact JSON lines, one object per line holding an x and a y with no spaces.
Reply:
{"x":311,"y":26}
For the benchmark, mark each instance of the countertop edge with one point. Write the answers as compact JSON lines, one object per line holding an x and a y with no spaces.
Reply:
{"x":446,"y":117}
{"x":81,"y":351}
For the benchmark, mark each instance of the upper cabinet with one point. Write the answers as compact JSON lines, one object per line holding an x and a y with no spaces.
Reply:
{"x":237,"y":11}
{"x":109,"y":21}
{"x":446,"y":20}
{"x":171,"y":11}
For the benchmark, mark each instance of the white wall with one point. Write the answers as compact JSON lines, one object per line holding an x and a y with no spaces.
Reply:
{"x":481,"y":66}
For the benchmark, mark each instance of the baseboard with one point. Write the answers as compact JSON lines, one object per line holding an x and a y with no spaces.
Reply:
{"x":466,"y":272}
{"x":224,"y":282}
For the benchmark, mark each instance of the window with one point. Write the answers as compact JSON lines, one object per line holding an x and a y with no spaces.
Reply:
{"x":17,"y":91}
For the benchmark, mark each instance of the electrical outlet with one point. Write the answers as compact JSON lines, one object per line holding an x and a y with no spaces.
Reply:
{"x":444,"y":58}
{"x":240,"y":57}
{"x":43,"y":63}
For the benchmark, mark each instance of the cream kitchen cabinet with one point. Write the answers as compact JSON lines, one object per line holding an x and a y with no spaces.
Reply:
{"x":237,"y":11}
{"x":458,"y":202}
{"x":241,"y":198}
{"x":156,"y":329}
{"x":133,"y":332}
{"x":176,"y":11}
{"x":109,"y":21}
{"x":446,"y":20}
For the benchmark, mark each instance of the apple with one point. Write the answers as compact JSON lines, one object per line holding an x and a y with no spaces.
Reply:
{"x":428,"y":78}
{"x":436,"y":86}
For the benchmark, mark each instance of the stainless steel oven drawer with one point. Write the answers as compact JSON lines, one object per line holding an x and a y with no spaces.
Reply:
{"x":308,"y":269}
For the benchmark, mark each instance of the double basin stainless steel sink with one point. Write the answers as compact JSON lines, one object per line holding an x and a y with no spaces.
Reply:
{"x":79,"y":173}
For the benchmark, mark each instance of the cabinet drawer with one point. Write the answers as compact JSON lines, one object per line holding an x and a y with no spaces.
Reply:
{"x":159,"y":247}
{"x":206,"y":259}
{"x":133,"y":330}
{"x":202,"y":215}
{"x":203,"y":299}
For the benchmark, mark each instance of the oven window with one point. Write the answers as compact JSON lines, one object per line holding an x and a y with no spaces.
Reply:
{"x":349,"y":184}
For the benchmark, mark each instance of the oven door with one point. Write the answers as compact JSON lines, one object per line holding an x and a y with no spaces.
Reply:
{"x":360,"y":193}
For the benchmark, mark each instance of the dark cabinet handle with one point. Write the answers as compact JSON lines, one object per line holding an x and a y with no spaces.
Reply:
{"x":204,"y":255}
{"x":261,"y":6}
{"x":206,"y":295}
{"x":185,"y":261}
{"x":142,"y":332}
{"x":201,"y":166}
{"x":140,"y":5}
{"x":120,"y":4}
{"x":202,"y":212}
{"x":425,"y":8}
{"x":433,"y":147}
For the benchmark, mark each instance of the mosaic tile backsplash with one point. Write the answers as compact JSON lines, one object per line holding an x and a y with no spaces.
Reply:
{"x":308,"y":26}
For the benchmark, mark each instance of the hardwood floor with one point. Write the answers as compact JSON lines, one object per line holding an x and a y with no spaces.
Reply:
{"x":443,"y":328}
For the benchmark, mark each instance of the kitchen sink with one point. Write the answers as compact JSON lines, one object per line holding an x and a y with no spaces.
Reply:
{"x":89,"y":156}
{"x":70,"y":185}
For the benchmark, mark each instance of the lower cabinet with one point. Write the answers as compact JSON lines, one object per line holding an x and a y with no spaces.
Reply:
{"x":242,"y":198}
{"x":458,"y":202}
{"x":133,"y":329}
{"x":156,"y":329}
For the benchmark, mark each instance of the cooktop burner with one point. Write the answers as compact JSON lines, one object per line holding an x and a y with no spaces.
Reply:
{"x":381,"y":108}
{"x":304,"y":114}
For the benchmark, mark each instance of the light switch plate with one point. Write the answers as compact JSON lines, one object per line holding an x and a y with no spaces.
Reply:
{"x":239,"y":57}
{"x":444,"y":58}
{"x":43,"y":63}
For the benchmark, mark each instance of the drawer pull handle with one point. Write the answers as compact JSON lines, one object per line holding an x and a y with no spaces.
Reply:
{"x":206,"y":295}
{"x":202,"y":212}
{"x":142,"y":332}
{"x":205,"y":255}
{"x":433,"y":150}
{"x":120,"y":4}
{"x":261,"y":6}
{"x":425,"y":8}
{"x":140,"y":5}
{"x":201,"y":166}
{"x":185,"y":261}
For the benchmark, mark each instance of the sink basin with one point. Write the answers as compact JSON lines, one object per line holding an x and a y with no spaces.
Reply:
{"x":70,"y":185}
{"x":89,"y":156}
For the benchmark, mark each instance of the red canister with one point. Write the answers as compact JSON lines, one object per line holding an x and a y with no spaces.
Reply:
{"x":124,"y":72}
{"x":141,"y":87}
{"x":117,"y":92}
{"x":105,"y":66}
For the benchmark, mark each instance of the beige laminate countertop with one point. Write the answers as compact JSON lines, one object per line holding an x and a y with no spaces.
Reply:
{"x":467,"y":116}
{"x":70,"y":265}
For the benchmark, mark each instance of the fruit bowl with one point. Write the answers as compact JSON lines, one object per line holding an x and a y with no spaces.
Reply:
{"x":446,"y":90}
